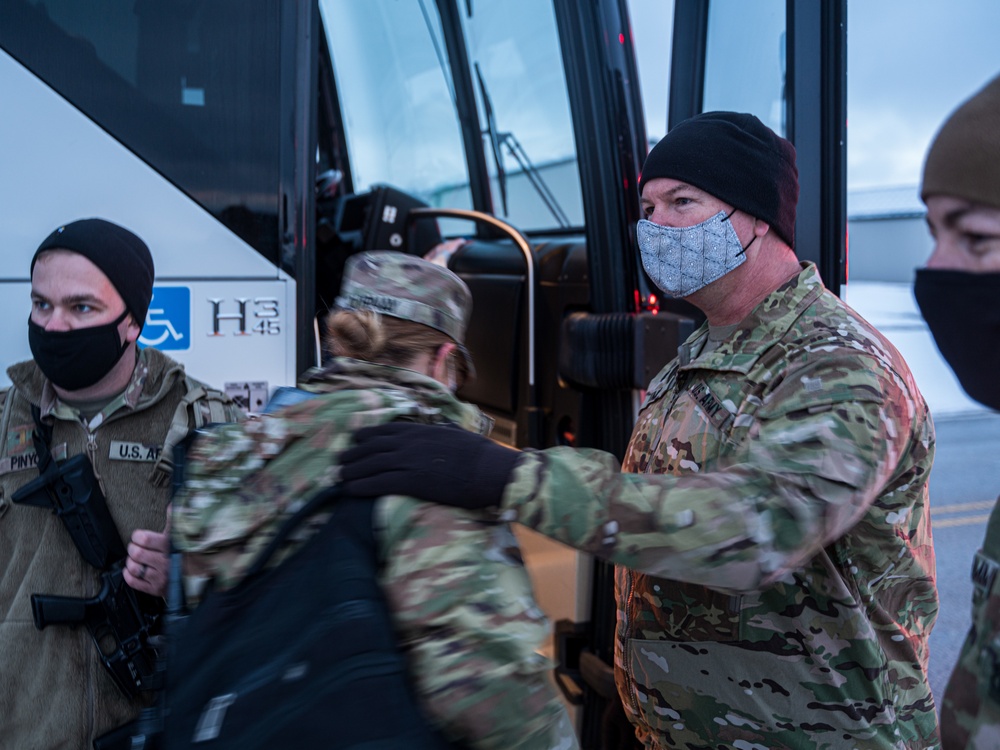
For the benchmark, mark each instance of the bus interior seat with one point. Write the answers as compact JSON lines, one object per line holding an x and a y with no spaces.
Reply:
{"x":353,"y":223}
{"x":494,"y":272}
{"x":497,"y":340}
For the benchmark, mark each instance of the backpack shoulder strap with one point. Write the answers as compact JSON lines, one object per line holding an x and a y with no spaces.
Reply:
{"x":199,"y":406}
{"x":207,"y":405}
{"x":320,"y":499}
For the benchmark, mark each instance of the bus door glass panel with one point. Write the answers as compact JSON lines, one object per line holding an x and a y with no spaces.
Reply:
{"x":745,"y":60}
{"x":397,"y":99}
{"x":191,"y":88}
{"x":652,"y":23}
{"x":520,"y":84}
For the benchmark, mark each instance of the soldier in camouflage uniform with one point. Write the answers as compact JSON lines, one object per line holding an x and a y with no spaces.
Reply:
{"x":776,"y":575}
{"x":959,"y":295}
{"x":460,"y":597}
{"x":91,"y":283}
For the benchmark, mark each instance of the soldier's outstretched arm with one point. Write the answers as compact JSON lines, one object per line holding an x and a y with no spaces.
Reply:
{"x":809,"y":470}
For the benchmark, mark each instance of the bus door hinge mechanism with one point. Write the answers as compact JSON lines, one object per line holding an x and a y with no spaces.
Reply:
{"x":619,"y":351}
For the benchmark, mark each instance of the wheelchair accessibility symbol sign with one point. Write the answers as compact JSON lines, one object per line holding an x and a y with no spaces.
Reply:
{"x":168,"y":320}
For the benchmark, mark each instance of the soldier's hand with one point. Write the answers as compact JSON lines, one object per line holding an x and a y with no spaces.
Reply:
{"x":438,"y":463}
{"x":148,"y":565}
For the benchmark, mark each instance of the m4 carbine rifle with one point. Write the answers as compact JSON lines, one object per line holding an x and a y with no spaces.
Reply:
{"x":120,"y":619}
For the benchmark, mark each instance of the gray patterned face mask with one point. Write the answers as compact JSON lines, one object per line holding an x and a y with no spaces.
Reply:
{"x":682,"y":260}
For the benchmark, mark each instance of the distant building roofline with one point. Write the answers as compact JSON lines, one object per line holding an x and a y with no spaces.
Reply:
{"x":885,"y":202}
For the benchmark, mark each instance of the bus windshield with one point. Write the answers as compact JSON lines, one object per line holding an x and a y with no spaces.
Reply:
{"x":398,"y":95}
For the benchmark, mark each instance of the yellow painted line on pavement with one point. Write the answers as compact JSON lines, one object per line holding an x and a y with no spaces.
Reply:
{"x":966,"y":521}
{"x":962,"y":507}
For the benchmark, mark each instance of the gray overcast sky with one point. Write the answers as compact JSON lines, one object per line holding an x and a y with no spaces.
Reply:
{"x":910,"y":63}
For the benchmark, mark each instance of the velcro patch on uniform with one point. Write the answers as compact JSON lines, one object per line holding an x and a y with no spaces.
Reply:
{"x":19,"y":439}
{"x":717,"y":414}
{"x":984,"y":573}
{"x":28,"y":459}
{"x":123,"y":450}
{"x":18,"y":462}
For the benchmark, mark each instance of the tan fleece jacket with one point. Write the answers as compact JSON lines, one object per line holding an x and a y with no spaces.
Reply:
{"x":54,"y":691}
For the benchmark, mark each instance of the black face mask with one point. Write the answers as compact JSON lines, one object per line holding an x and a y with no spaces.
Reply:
{"x":963,"y":312}
{"x":76,"y":359}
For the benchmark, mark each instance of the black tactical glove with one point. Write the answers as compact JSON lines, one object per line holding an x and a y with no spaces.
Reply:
{"x":438,"y":463}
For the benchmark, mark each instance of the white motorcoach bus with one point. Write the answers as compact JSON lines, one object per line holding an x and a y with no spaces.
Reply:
{"x":256,"y":144}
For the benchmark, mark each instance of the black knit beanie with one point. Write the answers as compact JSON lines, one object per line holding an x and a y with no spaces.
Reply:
{"x":121,"y":256}
{"x":736,"y":158}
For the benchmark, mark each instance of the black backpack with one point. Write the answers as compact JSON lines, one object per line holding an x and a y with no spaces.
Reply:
{"x":297,"y":656}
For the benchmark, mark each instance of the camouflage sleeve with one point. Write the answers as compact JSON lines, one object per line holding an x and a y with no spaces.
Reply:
{"x":226,"y":502}
{"x":970,"y":710}
{"x":465,"y":614}
{"x":812,"y":462}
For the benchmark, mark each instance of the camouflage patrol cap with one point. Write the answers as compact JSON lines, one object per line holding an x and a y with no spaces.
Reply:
{"x":407,"y":287}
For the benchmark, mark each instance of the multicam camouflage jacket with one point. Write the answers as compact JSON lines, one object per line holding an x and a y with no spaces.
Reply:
{"x":128,"y":444}
{"x":460,"y":597}
{"x":970,"y":711}
{"x":774,"y":515}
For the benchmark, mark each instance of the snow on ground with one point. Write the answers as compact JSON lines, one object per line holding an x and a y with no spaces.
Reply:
{"x":891,"y":308}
